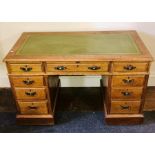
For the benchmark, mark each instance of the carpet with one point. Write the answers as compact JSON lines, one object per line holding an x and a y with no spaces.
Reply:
{"x":76,"y":122}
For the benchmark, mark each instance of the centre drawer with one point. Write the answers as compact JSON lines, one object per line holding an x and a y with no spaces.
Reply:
{"x":129,"y":93}
{"x":125,"y":107}
{"x":78,"y":67}
{"x":30,"y":93}
{"x":27,"y":81}
{"x":123,"y":81}
{"x":25,"y":68}
{"x":33,"y":108}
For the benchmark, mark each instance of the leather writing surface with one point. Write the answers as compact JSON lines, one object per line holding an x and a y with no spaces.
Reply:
{"x":78,"y":44}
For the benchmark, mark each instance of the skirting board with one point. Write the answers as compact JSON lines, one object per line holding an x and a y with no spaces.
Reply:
{"x":151,"y":81}
{"x":76,"y":81}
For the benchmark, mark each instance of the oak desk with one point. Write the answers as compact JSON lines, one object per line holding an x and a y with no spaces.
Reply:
{"x":38,"y":58}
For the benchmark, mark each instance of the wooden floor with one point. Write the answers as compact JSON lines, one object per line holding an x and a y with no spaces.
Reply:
{"x":74,"y":99}
{"x":150,"y":99}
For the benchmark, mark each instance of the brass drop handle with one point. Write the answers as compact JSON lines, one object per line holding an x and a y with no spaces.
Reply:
{"x":60,"y":68}
{"x":94,"y":67}
{"x":125,"y":107}
{"x":128,"y":81}
{"x":28,"y":81}
{"x":26,"y":68}
{"x":30,"y":93}
{"x":32,"y":107}
{"x":129,"y":67}
{"x":126,"y":93}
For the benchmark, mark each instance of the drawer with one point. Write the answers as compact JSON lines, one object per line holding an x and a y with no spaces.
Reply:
{"x":93,"y":67}
{"x":130,"y":67}
{"x":27,"y":81}
{"x":79,"y":67}
{"x":125,"y":107}
{"x":130,"y":81}
{"x":128,"y":93}
{"x":25,"y":68}
{"x":61,"y":67}
{"x":30,"y":93}
{"x":33,"y":108}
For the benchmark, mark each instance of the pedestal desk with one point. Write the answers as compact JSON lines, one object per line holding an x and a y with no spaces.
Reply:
{"x":38,"y":58}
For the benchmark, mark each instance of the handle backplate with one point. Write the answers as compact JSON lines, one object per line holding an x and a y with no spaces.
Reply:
{"x":28,"y":81}
{"x":26,"y":68}
{"x":94,"y":67}
{"x":128,"y":81}
{"x":60,"y":68}
{"x":32,"y":107}
{"x":30,"y":93}
{"x":129,"y":67}
{"x":125,"y":107}
{"x":126,"y":93}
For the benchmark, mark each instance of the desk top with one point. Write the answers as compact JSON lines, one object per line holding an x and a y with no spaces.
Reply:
{"x":58,"y":46}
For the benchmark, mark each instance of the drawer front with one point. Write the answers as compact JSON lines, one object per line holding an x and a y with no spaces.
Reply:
{"x":123,"y":81}
{"x":129,"y":93}
{"x":130,"y":67}
{"x":33,"y":108}
{"x":61,"y":67}
{"x":30,"y":93}
{"x":79,"y":67}
{"x":93,"y":67}
{"x":125,"y":107}
{"x":25,"y":68}
{"x":27,"y":81}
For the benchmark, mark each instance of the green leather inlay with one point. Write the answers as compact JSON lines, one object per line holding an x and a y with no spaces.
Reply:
{"x":78,"y":44}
